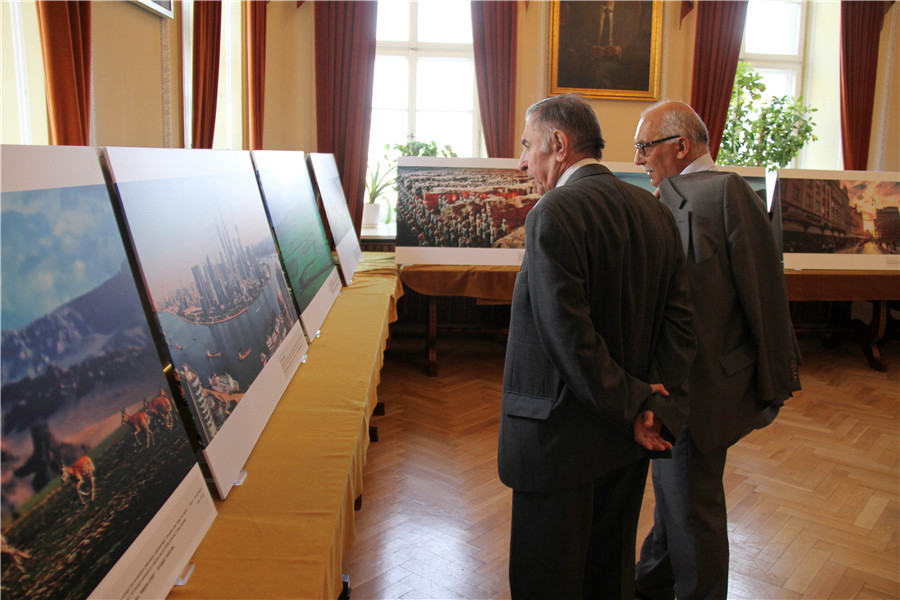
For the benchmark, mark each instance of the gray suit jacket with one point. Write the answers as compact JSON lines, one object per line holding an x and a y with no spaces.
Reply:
{"x":747,"y":357}
{"x":601,"y":309}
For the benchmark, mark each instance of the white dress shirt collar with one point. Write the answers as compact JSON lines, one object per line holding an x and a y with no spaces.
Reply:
{"x":703,"y":163}
{"x":571,"y":170}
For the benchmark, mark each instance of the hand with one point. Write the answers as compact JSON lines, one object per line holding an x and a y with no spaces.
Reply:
{"x":648,"y":430}
{"x":658,"y":388}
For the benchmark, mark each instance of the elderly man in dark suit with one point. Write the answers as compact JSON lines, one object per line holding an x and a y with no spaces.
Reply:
{"x":599,"y":346}
{"x":747,"y":355}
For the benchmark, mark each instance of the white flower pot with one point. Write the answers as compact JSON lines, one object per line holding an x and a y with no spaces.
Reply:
{"x":371,"y":214}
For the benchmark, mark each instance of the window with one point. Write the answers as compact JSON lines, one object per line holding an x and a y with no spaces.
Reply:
{"x":774,"y":44}
{"x":793,"y":45}
{"x":23,"y":101}
{"x":228,"y":133}
{"x":425,"y":77}
{"x":424,"y":80}
{"x":228,"y":129}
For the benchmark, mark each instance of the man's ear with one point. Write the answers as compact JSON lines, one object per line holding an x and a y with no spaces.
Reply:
{"x":560,"y":143}
{"x":684,"y":148}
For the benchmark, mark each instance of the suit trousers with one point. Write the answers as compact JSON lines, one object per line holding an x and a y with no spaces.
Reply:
{"x":578,"y":543}
{"x":686,"y":552}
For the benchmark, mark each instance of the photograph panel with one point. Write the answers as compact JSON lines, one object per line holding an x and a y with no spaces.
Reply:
{"x":839,"y":219}
{"x":291,"y":204}
{"x":461,"y":204}
{"x":92,"y":446}
{"x":218,"y":292}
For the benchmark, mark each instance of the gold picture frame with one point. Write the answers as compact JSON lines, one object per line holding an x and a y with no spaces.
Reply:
{"x":600,"y":54}
{"x":161,"y":8}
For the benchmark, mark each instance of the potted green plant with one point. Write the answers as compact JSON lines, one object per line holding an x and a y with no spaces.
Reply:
{"x":379,"y":179}
{"x":763,"y":133}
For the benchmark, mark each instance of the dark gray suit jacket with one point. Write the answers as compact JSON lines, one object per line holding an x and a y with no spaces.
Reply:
{"x":747,"y":356}
{"x":601,"y":309}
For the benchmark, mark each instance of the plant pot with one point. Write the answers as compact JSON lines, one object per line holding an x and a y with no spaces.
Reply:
{"x":371,"y":215}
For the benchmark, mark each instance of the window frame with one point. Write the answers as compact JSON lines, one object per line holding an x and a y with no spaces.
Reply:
{"x":413,"y":49}
{"x":793,"y":63}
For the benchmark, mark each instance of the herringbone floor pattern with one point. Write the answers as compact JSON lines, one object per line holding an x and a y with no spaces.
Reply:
{"x":813,"y":499}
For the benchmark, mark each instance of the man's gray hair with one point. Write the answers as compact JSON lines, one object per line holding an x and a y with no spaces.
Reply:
{"x":684,"y":122}
{"x":571,"y":114}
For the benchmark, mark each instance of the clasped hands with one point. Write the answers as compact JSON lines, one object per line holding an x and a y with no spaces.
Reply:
{"x":648,"y":429}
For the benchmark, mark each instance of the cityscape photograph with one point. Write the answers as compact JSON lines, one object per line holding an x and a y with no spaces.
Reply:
{"x":215,"y":282}
{"x":840,"y":216}
{"x":463,"y":207}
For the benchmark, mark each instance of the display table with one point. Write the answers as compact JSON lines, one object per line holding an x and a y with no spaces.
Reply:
{"x":486,"y":283}
{"x":877,"y":287}
{"x":495,"y":284}
{"x":283,"y":533}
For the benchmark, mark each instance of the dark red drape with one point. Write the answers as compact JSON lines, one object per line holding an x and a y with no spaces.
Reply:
{"x":345,"y":71}
{"x":860,"y":30}
{"x":255,"y":22}
{"x":717,"y":47}
{"x":207,"y":39}
{"x":66,"y":47}
{"x":494,"y":37}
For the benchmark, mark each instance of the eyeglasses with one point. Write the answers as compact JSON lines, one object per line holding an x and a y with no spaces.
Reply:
{"x":642,"y":146}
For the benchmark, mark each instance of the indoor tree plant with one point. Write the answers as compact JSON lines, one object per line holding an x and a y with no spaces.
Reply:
{"x":766,"y":133}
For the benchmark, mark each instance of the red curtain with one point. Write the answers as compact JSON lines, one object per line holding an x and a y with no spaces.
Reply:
{"x":207,"y":39}
{"x":494,"y":36}
{"x":860,"y":29}
{"x":66,"y":48}
{"x":255,"y":22}
{"x":345,"y":71}
{"x":717,"y":46}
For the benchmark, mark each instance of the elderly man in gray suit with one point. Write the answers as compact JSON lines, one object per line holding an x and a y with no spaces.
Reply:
{"x":600,"y":342}
{"x":747,"y":354}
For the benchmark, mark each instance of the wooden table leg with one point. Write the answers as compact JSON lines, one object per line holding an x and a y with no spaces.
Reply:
{"x":869,"y":335}
{"x":432,"y":336}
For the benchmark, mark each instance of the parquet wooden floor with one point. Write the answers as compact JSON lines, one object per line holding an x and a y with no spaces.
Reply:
{"x":813,"y":499}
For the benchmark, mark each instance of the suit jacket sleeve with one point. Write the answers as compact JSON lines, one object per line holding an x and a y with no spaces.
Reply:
{"x":758,"y":277}
{"x":565,"y":329}
{"x":674,"y":351}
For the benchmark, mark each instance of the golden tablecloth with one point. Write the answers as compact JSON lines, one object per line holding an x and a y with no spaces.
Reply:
{"x":283,"y":533}
{"x":490,"y":283}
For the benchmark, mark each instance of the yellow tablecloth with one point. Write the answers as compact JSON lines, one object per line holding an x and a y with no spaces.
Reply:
{"x":283,"y":533}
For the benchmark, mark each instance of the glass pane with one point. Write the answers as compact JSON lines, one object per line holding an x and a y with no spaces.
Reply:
{"x":445,"y":83}
{"x":446,"y":128}
{"x":388,"y":127}
{"x":445,"y":21}
{"x":392,"y":21}
{"x":391,"y":88}
{"x":772,"y":27}
{"x":779,"y":82}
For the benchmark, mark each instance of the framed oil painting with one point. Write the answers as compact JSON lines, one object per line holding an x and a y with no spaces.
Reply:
{"x":208,"y":261}
{"x":303,"y":246}
{"x":838,"y":219}
{"x":101,"y":494}
{"x":456,"y":211}
{"x":605,"y":49}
